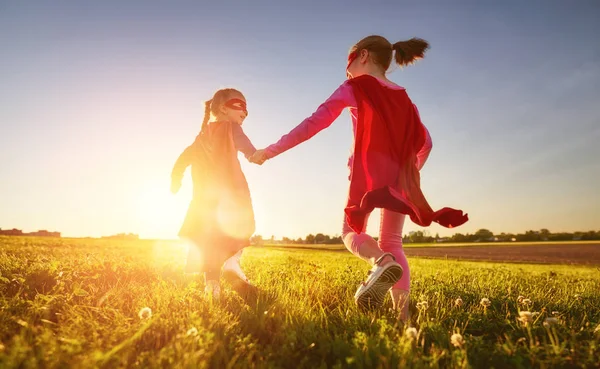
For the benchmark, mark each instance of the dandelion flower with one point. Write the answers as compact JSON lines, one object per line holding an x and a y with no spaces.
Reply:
{"x":526,"y":302}
{"x":457,"y":340}
{"x":525,"y":317}
{"x":520,"y":299}
{"x":458,"y":302}
{"x":411,"y":333}
{"x":423,"y":305}
{"x":145,"y":313}
{"x":550,"y":321}
{"x":192,"y":332}
{"x":485,"y":302}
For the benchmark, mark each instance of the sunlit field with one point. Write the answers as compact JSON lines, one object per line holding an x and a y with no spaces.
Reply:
{"x":109,"y":303}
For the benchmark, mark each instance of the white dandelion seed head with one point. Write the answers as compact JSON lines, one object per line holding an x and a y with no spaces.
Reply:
{"x":485,"y":302}
{"x":458,"y":302}
{"x":423,"y":305}
{"x":192,"y":332}
{"x":411,"y":333}
{"x":525,"y":316}
{"x":520,"y":299}
{"x":457,"y":340}
{"x":550,"y":322}
{"x":526,"y":302}
{"x":145,"y":313}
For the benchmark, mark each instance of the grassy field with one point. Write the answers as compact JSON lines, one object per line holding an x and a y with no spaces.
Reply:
{"x":77,"y":303}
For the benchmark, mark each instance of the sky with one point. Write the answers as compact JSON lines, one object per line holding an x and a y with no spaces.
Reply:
{"x":98,"y":99}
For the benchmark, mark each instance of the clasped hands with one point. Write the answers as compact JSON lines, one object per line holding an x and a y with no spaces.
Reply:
{"x":259,"y":157}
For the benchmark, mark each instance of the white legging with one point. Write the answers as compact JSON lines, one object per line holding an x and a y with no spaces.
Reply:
{"x":390,"y":240}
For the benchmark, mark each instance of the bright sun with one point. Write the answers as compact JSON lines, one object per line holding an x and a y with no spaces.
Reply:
{"x":160,"y":213}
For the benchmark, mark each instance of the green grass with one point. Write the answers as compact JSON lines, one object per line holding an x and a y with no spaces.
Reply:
{"x":75,"y":303}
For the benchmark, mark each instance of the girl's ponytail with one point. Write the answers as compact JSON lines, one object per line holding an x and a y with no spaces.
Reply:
{"x":206,"y":115}
{"x":407,"y":52}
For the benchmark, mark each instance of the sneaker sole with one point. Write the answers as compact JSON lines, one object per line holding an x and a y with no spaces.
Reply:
{"x":374,"y":296}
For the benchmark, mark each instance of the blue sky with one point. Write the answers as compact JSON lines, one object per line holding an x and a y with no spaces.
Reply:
{"x":97,"y":101}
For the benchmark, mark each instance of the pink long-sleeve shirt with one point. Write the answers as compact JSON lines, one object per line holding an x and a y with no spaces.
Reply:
{"x":324,"y":116}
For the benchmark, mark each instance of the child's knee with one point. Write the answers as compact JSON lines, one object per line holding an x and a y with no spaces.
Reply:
{"x":353,"y":241}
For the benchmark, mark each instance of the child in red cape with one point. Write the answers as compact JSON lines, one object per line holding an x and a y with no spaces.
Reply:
{"x":391,"y":144}
{"x":220,"y":218}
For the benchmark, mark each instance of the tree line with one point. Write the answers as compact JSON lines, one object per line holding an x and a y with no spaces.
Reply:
{"x":482,"y":235}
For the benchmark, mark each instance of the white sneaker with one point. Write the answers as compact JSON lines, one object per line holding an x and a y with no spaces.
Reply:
{"x":233,"y":273}
{"x":212,"y":290}
{"x":371,"y":293}
{"x":232,"y":266}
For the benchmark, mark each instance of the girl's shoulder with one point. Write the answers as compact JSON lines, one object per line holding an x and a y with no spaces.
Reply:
{"x":382,"y":82}
{"x":389,"y":84}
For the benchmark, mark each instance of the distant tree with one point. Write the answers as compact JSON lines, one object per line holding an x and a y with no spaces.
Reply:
{"x":310,"y":239}
{"x":319,"y":238}
{"x":560,"y":236}
{"x":336,"y":240}
{"x":286,"y":240}
{"x":299,"y":241}
{"x":458,"y":237}
{"x":256,"y":240}
{"x":590,"y":235}
{"x":484,"y":234}
{"x":416,"y":237}
{"x":544,"y":234}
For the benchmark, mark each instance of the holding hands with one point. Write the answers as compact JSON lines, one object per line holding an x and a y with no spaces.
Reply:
{"x":259,"y":157}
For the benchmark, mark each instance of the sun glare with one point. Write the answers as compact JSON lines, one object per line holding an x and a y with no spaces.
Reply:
{"x":160,"y":213}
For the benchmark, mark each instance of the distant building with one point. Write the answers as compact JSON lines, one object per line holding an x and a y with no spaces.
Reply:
{"x":18,"y":232}
{"x":123,"y":236}
{"x":44,"y":233}
{"x":11,"y":232}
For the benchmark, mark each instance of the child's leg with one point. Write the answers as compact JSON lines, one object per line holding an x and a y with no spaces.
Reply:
{"x":362,"y":245}
{"x":390,"y":240}
{"x":232,"y":268}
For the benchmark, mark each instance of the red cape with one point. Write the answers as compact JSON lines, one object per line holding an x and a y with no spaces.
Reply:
{"x":220,"y":218}
{"x":384,"y":175}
